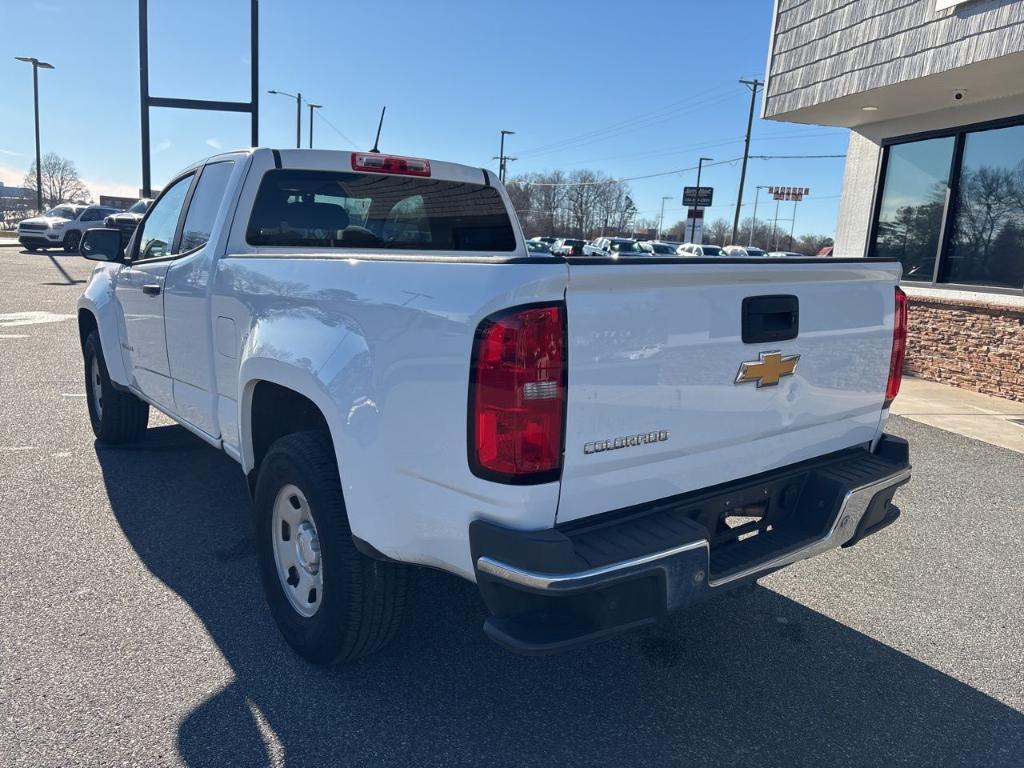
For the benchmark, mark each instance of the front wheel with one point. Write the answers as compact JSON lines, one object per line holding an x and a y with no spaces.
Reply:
{"x":116,"y":416}
{"x":330,"y":602}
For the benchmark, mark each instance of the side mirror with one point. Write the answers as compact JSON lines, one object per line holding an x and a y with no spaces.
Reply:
{"x":102,"y":244}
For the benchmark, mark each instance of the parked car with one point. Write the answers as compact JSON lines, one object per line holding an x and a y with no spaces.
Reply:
{"x":537,"y":246}
{"x":743,"y":252}
{"x":567,"y":246}
{"x":790,"y":255}
{"x":593,"y":443}
{"x":127,"y":221}
{"x":549,"y":241}
{"x":700,"y":250}
{"x":617,"y":246}
{"x":61,"y":226}
{"x":659,"y":248}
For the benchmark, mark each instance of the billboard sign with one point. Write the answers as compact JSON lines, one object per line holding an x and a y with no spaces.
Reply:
{"x":795,"y":194}
{"x":698,"y":197}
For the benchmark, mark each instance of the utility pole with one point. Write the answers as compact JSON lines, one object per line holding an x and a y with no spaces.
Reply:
{"x":754,"y":86}
{"x":661,"y":217}
{"x":700,"y":165}
{"x":36,"y":66}
{"x":501,"y":158}
{"x":311,"y":106}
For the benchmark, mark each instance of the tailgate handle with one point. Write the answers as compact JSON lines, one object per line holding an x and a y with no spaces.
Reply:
{"x":770,"y":318}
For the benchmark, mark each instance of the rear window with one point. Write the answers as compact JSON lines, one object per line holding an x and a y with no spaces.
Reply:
{"x":337,"y":209}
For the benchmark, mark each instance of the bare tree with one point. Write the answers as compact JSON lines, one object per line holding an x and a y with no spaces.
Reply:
{"x":717,"y":232}
{"x":581,"y":204}
{"x":61,"y":183}
{"x":810,"y":244}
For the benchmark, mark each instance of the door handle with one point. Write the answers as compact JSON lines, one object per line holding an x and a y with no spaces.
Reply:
{"x":151,"y":289}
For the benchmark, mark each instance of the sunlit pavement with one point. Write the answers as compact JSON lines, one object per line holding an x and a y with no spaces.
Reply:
{"x":991,"y":419}
{"x":133,"y":630}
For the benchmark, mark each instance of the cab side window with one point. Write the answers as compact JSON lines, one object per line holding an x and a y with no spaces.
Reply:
{"x":206,"y":200}
{"x":157,"y":232}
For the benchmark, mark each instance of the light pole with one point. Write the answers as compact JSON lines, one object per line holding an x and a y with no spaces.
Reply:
{"x":501,"y":155}
{"x":661,"y":217}
{"x":700,"y":165}
{"x":298,"y":114}
{"x":775,"y":223}
{"x":311,"y":106}
{"x":753,"y":222}
{"x":792,"y":225}
{"x":36,"y":66}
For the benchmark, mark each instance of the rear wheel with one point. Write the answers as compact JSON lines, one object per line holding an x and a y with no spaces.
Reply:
{"x":116,"y":416}
{"x":330,"y":602}
{"x":72,"y":241}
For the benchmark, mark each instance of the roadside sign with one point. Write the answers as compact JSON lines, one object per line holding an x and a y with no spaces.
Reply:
{"x":795,"y":194}
{"x":694,"y":231}
{"x":699,"y":197}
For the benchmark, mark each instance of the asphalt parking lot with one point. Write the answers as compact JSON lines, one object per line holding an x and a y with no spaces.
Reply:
{"x":133,"y":630}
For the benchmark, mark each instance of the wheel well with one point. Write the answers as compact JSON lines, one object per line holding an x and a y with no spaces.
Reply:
{"x":86,"y":325}
{"x":277,"y":411}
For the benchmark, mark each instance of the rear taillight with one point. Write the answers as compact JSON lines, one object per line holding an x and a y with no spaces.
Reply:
{"x":899,"y":348}
{"x":517,"y":395}
{"x":377,"y":163}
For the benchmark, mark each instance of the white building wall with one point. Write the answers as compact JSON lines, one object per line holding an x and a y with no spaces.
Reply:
{"x":853,"y":224}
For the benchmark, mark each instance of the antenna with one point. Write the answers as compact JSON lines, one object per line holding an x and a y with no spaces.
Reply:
{"x":376,"y":141}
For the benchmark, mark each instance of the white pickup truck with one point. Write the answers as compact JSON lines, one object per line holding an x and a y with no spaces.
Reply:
{"x":594,"y":442}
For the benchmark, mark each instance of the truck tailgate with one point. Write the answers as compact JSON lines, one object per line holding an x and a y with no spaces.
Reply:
{"x":654,"y":408}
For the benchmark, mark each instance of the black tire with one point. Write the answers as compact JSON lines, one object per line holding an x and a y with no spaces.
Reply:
{"x":31,"y":248}
{"x":363,"y":599}
{"x":120,"y":417}
{"x":72,"y":241}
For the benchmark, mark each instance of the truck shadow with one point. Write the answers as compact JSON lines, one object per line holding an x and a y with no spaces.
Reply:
{"x":753,"y":680}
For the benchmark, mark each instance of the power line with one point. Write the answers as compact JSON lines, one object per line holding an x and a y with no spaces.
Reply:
{"x":615,"y":126}
{"x":631,"y":129}
{"x":793,"y":157}
{"x":667,"y":173}
{"x":625,"y":178}
{"x":628,"y":126}
{"x":334,"y":128}
{"x":666,"y":151}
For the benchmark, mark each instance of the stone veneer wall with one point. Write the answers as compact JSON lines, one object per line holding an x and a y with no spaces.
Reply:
{"x":966,"y":344}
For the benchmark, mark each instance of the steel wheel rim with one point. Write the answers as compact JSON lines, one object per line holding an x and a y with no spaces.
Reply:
{"x":96,"y":387}
{"x":296,"y":545}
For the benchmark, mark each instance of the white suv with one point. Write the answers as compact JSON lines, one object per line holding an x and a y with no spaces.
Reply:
{"x":62,"y":226}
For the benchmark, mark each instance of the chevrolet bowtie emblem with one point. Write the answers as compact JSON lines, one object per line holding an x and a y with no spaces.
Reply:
{"x":767,"y":369}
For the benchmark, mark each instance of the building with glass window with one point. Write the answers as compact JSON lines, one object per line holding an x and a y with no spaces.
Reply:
{"x":933,"y":92}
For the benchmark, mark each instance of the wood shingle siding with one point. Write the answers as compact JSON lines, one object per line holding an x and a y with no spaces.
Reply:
{"x":827,"y":49}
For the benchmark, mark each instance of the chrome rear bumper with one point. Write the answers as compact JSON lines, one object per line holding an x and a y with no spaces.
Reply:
{"x":550,"y":590}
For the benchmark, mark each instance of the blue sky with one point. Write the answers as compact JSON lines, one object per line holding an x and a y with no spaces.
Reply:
{"x":562,"y":74}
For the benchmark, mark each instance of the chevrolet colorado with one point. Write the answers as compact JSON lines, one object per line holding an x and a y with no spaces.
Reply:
{"x":594,"y":442}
